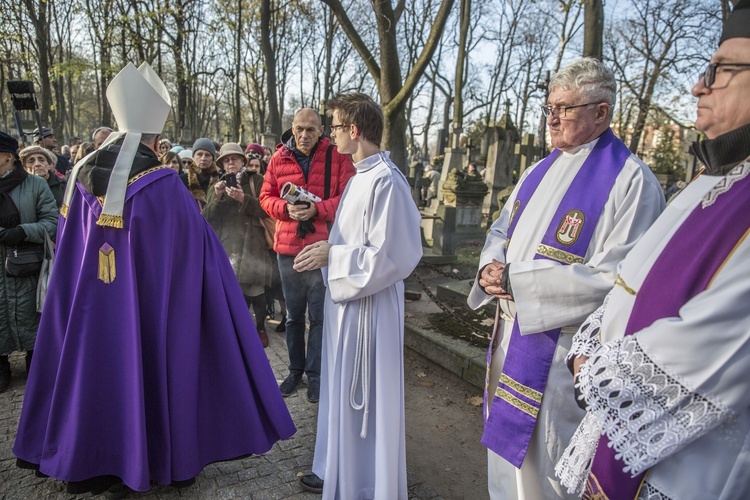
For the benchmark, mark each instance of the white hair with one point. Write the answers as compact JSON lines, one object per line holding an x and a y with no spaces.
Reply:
{"x":590,"y":77}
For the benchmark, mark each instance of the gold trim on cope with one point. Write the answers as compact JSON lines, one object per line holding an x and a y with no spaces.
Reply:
{"x":558,"y":255}
{"x":145,"y":173}
{"x":64,"y":210}
{"x":517,"y":403}
{"x":521,"y":389}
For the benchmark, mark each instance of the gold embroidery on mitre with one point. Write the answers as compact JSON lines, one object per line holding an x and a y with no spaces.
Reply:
{"x":621,"y":282}
{"x":570,"y":227}
{"x":521,"y":389}
{"x":107,"y":268}
{"x":517,"y":403}
{"x":558,"y":255}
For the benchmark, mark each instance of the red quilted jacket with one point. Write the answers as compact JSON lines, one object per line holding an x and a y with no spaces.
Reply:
{"x":283,"y":168}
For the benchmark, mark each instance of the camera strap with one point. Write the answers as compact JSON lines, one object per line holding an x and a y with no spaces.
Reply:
{"x":327,"y":182}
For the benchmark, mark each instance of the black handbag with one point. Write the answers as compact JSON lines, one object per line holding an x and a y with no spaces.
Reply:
{"x":24,"y":260}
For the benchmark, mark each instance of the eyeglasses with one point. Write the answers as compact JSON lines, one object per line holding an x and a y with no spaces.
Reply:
{"x":334,"y":128}
{"x":561,"y":111}
{"x":709,"y":74}
{"x":252,"y":155}
{"x":234,"y":159}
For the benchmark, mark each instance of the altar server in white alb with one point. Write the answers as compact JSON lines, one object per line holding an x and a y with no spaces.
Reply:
{"x":550,"y":259}
{"x":374,"y":245}
{"x":664,"y":362}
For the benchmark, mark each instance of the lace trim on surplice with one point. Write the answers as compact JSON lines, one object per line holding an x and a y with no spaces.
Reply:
{"x":645,"y":413}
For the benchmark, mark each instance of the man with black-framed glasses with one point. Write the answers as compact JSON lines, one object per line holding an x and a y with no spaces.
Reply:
{"x":550,"y":258}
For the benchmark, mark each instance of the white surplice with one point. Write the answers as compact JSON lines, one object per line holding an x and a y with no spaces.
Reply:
{"x":690,"y":372}
{"x":376,"y":245}
{"x":551,"y":295}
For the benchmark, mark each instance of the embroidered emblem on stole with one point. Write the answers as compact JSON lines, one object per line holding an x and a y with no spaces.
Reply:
{"x":511,"y":417}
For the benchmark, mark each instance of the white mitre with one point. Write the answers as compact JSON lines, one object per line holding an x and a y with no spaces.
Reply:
{"x":140,"y":104}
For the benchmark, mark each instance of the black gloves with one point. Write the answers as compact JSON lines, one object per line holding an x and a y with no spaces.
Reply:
{"x":305,"y":227}
{"x":12,"y":237}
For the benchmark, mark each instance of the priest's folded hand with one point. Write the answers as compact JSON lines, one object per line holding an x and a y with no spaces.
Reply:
{"x":312,"y":257}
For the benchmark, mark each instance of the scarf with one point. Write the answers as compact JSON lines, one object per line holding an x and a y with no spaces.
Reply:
{"x":9,"y":215}
{"x":196,"y":179}
{"x":725,"y":152}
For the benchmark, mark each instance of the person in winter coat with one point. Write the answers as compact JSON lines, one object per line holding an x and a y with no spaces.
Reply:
{"x":301,"y":160}
{"x":202,"y":174}
{"x":27,"y":211}
{"x":233,"y":211}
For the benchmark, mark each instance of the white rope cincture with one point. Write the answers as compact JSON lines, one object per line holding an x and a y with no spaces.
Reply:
{"x":362,"y":362}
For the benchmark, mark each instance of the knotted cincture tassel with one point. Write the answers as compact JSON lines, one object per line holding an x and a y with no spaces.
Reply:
{"x":362,"y":363}
{"x":107,"y":269}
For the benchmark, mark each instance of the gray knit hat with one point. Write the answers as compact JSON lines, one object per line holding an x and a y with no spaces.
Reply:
{"x":205,"y":145}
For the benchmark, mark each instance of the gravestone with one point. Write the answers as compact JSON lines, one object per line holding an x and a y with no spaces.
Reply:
{"x":502,"y":139}
{"x":527,"y":153}
{"x":269,"y":139}
{"x":460,"y":213}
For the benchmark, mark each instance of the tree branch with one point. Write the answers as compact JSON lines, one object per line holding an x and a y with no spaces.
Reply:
{"x":424,"y":58}
{"x":351,"y":32}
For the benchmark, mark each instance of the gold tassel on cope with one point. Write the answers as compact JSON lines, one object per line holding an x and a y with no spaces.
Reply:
{"x":107,"y":269}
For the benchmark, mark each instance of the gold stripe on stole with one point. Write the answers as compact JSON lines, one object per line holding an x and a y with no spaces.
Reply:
{"x":517,"y":403}
{"x":558,"y":255}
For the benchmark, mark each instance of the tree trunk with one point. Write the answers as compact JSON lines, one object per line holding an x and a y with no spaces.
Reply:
{"x":237,"y":118}
{"x":38,"y":16}
{"x":274,"y":116}
{"x":593,"y":29}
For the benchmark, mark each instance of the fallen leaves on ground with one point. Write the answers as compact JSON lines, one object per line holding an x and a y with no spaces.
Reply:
{"x":475,"y":401}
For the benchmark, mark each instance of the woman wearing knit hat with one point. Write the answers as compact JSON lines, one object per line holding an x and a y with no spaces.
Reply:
{"x":27,"y":212}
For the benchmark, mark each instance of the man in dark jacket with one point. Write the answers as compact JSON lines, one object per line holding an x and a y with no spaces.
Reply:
{"x":301,"y":160}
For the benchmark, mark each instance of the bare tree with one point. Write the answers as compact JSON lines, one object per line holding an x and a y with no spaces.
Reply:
{"x":659,"y":40}
{"x":393,"y":89}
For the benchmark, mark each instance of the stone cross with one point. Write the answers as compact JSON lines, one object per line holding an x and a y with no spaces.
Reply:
{"x":526,"y":153}
{"x":498,"y":174}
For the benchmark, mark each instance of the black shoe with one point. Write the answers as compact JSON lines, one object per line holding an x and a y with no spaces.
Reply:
{"x":117,"y":491}
{"x":311,"y":483}
{"x":281,"y":327}
{"x":4,"y":373}
{"x":313,"y":389}
{"x":184,"y":484}
{"x":289,"y":385}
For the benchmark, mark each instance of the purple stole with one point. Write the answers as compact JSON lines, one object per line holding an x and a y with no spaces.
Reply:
{"x":518,"y":397}
{"x":699,"y":248}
